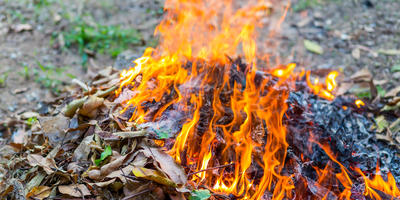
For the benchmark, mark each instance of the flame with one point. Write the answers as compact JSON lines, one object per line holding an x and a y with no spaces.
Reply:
{"x":359,"y":103}
{"x":190,"y":66}
{"x":324,"y":91}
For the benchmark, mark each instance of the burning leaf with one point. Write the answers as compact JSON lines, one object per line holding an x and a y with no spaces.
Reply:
{"x":39,"y":192}
{"x":153,"y":175}
{"x":395,"y":68}
{"x":107,"y":152}
{"x":200,"y":195}
{"x":313,"y":47}
{"x":75,"y":190}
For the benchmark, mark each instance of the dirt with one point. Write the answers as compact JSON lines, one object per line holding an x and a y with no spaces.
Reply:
{"x":27,"y":30}
{"x":340,"y":27}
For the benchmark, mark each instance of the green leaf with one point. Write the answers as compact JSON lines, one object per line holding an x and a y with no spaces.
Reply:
{"x":107,"y":152}
{"x":313,"y":47}
{"x":395,"y":68}
{"x":381,"y":122}
{"x":200,"y":195}
{"x":381,"y":91}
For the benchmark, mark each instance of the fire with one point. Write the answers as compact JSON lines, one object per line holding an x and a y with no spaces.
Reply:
{"x":190,"y":72}
{"x":359,"y":103}
{"x":324,"y":91}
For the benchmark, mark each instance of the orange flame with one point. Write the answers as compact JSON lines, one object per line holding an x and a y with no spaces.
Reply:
{"x":324,"y":91}
{"x":359,"y":103}
{"x":190,"y":65}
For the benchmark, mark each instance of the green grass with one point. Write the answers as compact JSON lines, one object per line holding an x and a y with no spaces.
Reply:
{"x":100,"y":39}
{"x":306,"y":4}
{"x":3,"y":79}
{"x":46,"y":77}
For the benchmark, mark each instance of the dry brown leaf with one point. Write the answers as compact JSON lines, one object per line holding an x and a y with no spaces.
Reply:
{"x":120,"y":173}
{"x":39,"y":192}
{"x":46,"y":163}
{"x":167,"y":165}
{"x":54,"y":128}
{"x":29,"y":114}
{"x":103,"y":184}
{"x":83,"y":150}
{"x":89,"y":108}
{"x":21,"y":27}
{"x":153,"y":175}
{"x":363,"y":75}
{"x":112,"y":166}
{"x":94,"y":174}
{"x":393,"y":92}
{"x":356,"y":53}
{"x":75,"y":190}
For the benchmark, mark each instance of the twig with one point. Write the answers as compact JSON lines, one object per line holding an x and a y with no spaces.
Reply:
{"x":211,"y":168}
{"x":106,"y":92}
{"x":137,"y":194}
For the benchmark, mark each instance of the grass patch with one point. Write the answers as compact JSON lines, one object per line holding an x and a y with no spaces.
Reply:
{"x":110,"y":40}
{"x":306,"y":4}
{"x":46,"y":77}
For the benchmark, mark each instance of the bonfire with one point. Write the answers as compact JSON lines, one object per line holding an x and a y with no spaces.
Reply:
{"x":204,"y":115}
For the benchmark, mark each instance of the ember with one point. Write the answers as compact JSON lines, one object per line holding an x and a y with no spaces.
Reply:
{"x":246,"y":132}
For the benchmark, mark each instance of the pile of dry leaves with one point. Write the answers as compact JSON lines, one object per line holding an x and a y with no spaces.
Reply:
{"x":83,"y":147}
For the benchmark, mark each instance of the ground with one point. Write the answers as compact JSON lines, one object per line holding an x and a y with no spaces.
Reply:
{"x":47,"y":45}
{"x":36,"y":62}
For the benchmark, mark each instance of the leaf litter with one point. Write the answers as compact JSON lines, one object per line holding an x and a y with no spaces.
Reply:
{"x":84,"y":148}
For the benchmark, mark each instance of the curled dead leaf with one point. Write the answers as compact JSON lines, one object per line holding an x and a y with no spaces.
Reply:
{"x":39,"y":192}
{"x":89,"y":108}
{"x":167,"y":165}
{"x":153,"y":175}
{"x":48,"y":164}
{"x":74,"y":190}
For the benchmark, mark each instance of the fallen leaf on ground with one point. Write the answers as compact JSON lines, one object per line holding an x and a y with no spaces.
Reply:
{"x":200,"y":195}
{"x":89,"y":108}
{"x":54,"y":128}
{"x":356,"y":53}
{"x":393,"y":92}
{"x":389,"y":52}
{"x":395,"y":68}
{"x":39,"y":192}
{"x":363,"y":75}
{"x":153,"y":175}
{"x":120,"y":173}
{"x":83,"y":150}
{"x":21,"y":27}
{"x":167,"y":165}
{"x":29,"y":114}
{"x":107,"y":152}
{"x":46,"y":163}
{"x":103,"y":184}
{"x":313,"y":47}
{"x":75,"y":190}
{"x":131,"y":134}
